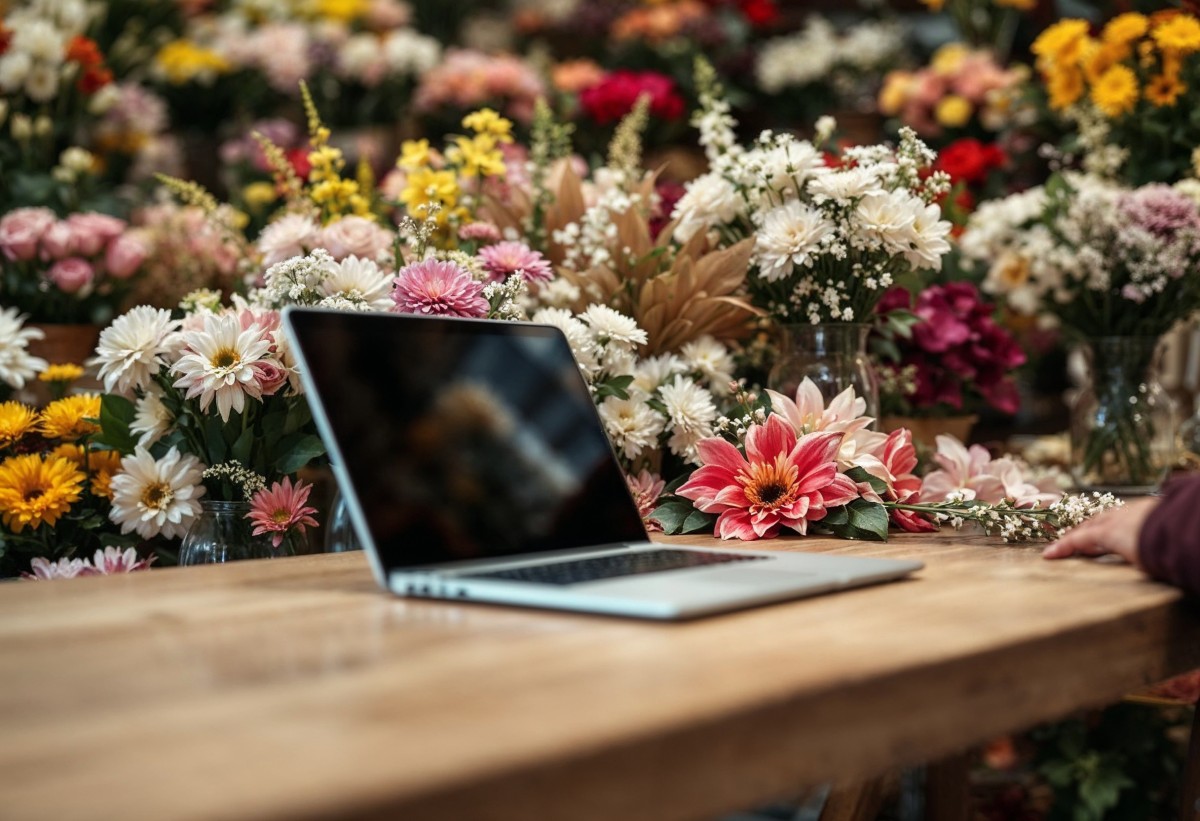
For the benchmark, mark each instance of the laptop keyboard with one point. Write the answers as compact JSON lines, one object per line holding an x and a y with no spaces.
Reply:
{"x":613,"y":566}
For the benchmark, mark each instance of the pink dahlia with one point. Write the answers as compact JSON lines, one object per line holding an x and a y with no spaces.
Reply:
{"x":782,"y":481}
{"x":439,"y":289}
{"x":507,"y":258}
{"x":279,"y":508}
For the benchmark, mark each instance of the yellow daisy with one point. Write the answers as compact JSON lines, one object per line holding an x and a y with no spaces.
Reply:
{"x":67,"y":418}
{"x":1180,"y":33}
{"x":478,"y":156}
{"x":1062,"y":42}
{"x":1116,"y":91}
{"x":61,"y":373}
{"x":102,"y":465}
{"x":16,"y":420}
{"x":1164,"y":90}
{"x":1065,"y":87}
{"x":1125,"y":28}
{"x":33,"y":490}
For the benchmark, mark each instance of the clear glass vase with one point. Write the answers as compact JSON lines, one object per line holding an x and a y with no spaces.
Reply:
{"x":833,"y":355}
{"x":1123,"y":423}
{"x":339,"y":531}
{"x":222,"y":533}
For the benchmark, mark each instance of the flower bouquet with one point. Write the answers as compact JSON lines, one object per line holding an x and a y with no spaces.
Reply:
{"x":1116,"y":267}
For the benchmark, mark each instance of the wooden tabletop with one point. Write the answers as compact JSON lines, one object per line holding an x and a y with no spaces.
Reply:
{"x":294,"y":688}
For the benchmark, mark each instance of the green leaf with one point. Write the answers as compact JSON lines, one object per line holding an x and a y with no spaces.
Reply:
{"x":859,"y":475}
{"x":869,"y":520}
{"x":243,"y":446}
{"x":308,"y":448}
{"x":672,"y":515}
{"x":699,"y":521}
{"x":116,"y":415}
{"x":616,"y":386}
{"x":299,"y":417}
{"x":1058,"y":773}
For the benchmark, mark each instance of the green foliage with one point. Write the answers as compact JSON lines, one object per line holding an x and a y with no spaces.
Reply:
{"x":677,"y":515}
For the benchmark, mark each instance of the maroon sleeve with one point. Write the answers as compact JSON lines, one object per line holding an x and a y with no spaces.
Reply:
{"x":1169,"y":543}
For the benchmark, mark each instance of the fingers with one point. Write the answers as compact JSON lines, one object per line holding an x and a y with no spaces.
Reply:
{"x":1082,"y":541}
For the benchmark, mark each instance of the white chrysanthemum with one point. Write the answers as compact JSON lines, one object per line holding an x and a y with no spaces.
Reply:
{"x":691,"y":412}
{"x":359,"y":281}
{"x":218,"y":363}
{"x":709,"y":200}
{"x":712,"y":360}
{"x":577,"y":334}
{"x":16,"y":363}
{"x":631,"y":424}
{"x":151,"y":419}
{"x":888,"y":218}
{"x":787,"y":167}
{"x":790,"y":236}
{"x":133,"y":349}
{"x":558,"y":293}
{"x":929,"y":243}
{"x":655,"y":370}
{"x":844,"y":186}
{"x":611,"y":326}
{"x":290,"y":236}
{"x":156,"y":498}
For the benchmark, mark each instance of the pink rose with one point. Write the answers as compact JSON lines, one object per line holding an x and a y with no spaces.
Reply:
{"x":270,"y":375}
{"x":354,"y":236}
{"x":125,"y":254}
{"x":58,"y":242}
{"x":94,"y":231}
{"x":21,"y":230}
{"x":71,"y":274}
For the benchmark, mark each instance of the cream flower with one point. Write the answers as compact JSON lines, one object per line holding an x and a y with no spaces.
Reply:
{"x":359,"y":281}
{"x":218,"y":363}
{"x":132,"y":349}
{"x":157,"y":498}
{"x":691,"y":412}
{"x":709,"y":200}
{"x":712,"y":360}
{"x":790,"y":237}
{"x":16,"y":363}
{"x":610,"y":326}
{"x":631,"y":425}
{"x":151,"y":419}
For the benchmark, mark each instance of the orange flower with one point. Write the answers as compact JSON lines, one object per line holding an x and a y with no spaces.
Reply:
{"x":573,"y":76}
{"x":1164,"y":90}
{"x":84,"y":51}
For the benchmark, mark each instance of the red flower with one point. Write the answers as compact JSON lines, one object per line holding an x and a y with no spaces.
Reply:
{"x":759,"y":13}
{"x":781,"y":482}
{"x":6,"y":36}
{"x":298,"y":157}
{"x":615,"y":96}
{"x":970,"y":161}
{"x":94,"y":79}
{"x":83,"y":50}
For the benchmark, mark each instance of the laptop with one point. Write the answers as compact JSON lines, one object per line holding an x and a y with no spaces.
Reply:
{"x":475,"y":467}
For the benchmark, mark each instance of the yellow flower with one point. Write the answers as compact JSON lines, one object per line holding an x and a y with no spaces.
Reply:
{"x":1098,"y":58}
{"x":897,"y":86}
{"x":427,"y":190}
{"x":183,"y":61}
{"x":954,"y":111}
{"x":60,"y":373}
{"x":346,"y":11}
{"x":1019,"y":5}
{"x":258,"y":195}
{"x":1180,"y":33}
{"x":949,"y":58}
{"x":486,"y":121}
{"x":1116,"y":91}
{"x":477,"y":156}
{"x":1125,"y":28}
{"x":414,"y":154}
{"x":1062,"y":42}
{"x":1065,"y":87}
{"x":1164,"y":90}
{"x":33,"y":491}
{"x":16,"y":420}
{"x":66,"y":418}
{"x":103,"y":465}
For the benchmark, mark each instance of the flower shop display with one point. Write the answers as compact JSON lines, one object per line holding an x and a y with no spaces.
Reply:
{"x":465,"y":80}
{"x":1125,"y":93}
{"x":1116,"y":267}
{"x":831,"y":233}
{"x":985,"y":24}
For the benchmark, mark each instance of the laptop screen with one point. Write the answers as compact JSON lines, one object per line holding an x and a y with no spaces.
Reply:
{"x":464,"y":439}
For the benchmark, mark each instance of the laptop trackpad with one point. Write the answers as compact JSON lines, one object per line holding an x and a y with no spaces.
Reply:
{"x":753,"y":577}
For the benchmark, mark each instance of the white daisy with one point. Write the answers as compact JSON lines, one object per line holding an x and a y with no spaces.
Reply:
{"x":631,"y":424}
{"x":218,"y":363}
{"x":151,"y":419}
{"x":157,"y":498}
{"x":16,"y":363}
{"x":359,"y":281}
{"x":132,"y":349}
{"x":610,"y":326}
{"x":790,"y":236}
{"x":712,"y":360}
{"x":691,"y":412}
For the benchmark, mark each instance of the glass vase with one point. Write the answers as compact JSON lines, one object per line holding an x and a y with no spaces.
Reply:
{"x":222,"y":533}
{"x":339,"y":532}
{"x":1123,"y":423}
{"x":833,"y":355}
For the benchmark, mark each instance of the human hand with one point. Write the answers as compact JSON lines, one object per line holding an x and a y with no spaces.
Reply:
{"x":1113,"y":531}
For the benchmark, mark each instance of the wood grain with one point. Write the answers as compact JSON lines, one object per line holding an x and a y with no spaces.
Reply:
{"x":293,"y":688}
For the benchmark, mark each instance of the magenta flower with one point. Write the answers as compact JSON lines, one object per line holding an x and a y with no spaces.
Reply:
{"x":507,"y":258}
{"x":438,"y":288}
{"x":781,"y":482}
{"x":281,"y":507}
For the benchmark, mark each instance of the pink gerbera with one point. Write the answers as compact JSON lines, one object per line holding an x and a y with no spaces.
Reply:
{"x":782,"y":481}
{"x":504,"y":259}
{"x":281,"y":507}
{"x":439,"y":289}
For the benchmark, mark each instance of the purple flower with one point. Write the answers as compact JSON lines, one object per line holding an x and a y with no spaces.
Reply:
{"x":438,"y":288}
{"x":1160,"y":209}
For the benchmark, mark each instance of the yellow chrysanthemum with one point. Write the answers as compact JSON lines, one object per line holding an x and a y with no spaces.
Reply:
{"x":948,"y":59}
{"x":103,"y":465}
{"x":427,"y":190}
{"x":1125,"y":28}
{"x":953,"y":111}
{"x":1116,"y":91}
{"x":477,"y":156}
{"x":258,"y":195}
{"x":1062,"y":42}
{"x":414,"y":154}
{"x":61,"y":373}
{"x":1164,"y":90}
{"x":1180,"y":33}
{"x":67,"y":418}
{"x":16,"y":420}
{"x":487,"y":121}
{"x":182,"y":61}
{"x":33,"y":490}
{"x":1019,"y":5}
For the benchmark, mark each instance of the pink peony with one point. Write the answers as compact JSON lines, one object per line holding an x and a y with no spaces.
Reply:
{"x":507,"y":258}
{"x":21,"y":231}
{"x":354,"y":237}
{"x":438,"y":289}
{"x":781,"y":482}
{"x":281,"y":507}
{"x":973,"y":474}
{"x":58,"y":242}
{"x":72,"y":274}
{"x":91,"y":232}
{"x":125,"y":254}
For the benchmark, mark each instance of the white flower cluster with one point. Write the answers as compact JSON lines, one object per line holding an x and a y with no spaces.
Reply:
{"x":1024,"y":524}
{"x":34,"y":63}
{"x":820,"y":53}
{"x":645,"y":404}
{"x":316,"y":279}
{"x":587,"y":243}
{"x":17,"y":365}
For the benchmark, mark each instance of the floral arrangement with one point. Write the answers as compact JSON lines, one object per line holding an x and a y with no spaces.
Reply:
{"x":943,"y":353}
{"x":831,"y":234}
{"x":962,"y":92}
{"x":1125,"y":92}
{"x":67,"y":270}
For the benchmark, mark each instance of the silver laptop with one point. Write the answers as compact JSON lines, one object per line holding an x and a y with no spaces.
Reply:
{"x":475,"y":467}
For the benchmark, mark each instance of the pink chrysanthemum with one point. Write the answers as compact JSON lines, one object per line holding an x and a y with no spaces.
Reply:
{"x":782,"y":481}
{"x":646,"y":487}
{"x":507,"y":258}
{"x":280,"y":508}
{"x":438,"y":288}
{"x":479,"y":232}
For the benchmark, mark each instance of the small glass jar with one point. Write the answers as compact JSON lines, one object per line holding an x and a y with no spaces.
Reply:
{"x":222,"y":533}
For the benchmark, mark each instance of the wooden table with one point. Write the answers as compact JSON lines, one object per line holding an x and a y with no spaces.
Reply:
{"x":294,"y":689}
